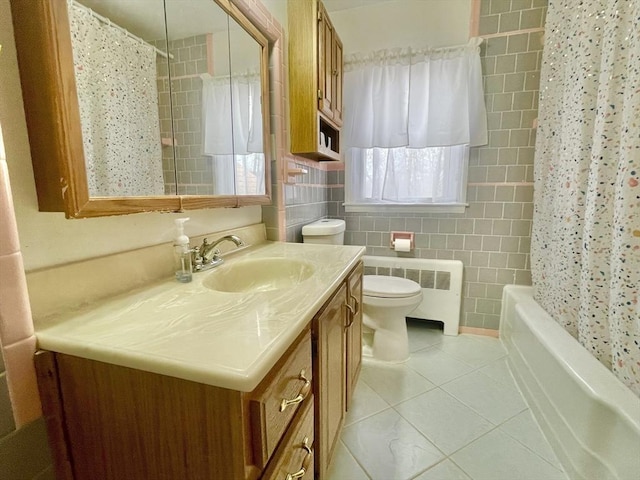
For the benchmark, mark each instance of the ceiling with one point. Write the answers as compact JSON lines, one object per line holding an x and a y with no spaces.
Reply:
{"x":145,"y":18}
{"x":335,"y":5}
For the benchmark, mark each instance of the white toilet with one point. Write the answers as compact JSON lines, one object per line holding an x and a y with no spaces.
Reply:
{"x":386,"y":300}
{"x":328,"y":231}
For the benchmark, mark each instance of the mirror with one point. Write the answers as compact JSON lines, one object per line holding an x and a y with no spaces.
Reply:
{"x":116,"y":71}
{"x":216,"y":96}
{"x":156,"y":115}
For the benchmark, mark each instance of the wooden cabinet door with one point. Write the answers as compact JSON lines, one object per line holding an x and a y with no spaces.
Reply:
{"x":336,"y":91}
{"x":325,"y":62}
{"x":354,"y":331}
{"x":329,"y":377}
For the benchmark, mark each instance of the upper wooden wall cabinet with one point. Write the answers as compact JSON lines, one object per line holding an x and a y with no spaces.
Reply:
{"x":315,"y":81}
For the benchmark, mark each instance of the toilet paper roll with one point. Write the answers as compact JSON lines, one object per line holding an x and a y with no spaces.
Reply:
{"x":402,"y":245}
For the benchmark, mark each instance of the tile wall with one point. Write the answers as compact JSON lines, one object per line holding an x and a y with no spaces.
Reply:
{"x":194,"y":171}
{"x":492,"y":238}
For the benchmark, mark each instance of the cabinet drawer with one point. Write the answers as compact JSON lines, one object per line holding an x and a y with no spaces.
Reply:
{"x":295,"y":455}
{"x":274,"y":403}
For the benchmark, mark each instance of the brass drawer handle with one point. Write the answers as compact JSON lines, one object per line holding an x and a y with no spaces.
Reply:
{"x":305,"y":462}
{"x":304,"y":391}
{"x":356,"y":303}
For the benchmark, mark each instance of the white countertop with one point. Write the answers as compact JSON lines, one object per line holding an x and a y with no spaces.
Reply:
{"x":189,"y":331}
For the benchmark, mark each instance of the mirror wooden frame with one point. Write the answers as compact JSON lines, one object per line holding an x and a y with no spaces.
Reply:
{"x":45,"y":58}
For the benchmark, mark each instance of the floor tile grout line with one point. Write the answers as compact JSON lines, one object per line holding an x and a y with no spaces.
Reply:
{"x":472,"y":365}
{"x":355,"y":459}
{"x":528,"y":409}
{"x":410,"y":397}
{"x":473,"y":369}
{"x":478,"y":367}
{"x":434,"y":466}
{"x":493,"y":427}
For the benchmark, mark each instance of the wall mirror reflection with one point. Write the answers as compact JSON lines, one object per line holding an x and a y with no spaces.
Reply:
{"x":167,"y":108}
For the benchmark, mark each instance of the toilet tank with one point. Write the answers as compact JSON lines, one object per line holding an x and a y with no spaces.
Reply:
{"x":327,"y":230}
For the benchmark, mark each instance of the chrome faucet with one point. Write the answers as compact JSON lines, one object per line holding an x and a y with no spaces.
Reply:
{"x":207,"y":256}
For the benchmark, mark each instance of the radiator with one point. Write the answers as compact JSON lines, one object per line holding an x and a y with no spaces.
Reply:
{"x":440,"y":280}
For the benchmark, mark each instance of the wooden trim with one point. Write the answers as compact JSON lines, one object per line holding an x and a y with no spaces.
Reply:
{"x":474,"y":21}
{"x":108,"y":206}
{"x":53,"y":411}
{"x":487,"y":332}
{"x":210,"y":58}
{"x":43,"y":47}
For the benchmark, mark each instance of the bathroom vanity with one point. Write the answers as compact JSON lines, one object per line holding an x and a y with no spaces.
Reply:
{"x":234,"y":376}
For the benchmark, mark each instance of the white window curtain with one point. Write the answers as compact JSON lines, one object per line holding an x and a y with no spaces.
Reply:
{"x":409,"y":175}
{"x":410,"y":117}
{"x":232,"y":128}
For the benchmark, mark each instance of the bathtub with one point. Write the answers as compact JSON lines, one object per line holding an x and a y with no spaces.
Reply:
{"x":589,"y":417}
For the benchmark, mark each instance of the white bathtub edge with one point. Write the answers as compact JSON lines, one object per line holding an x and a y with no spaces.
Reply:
{"x":571,"y":394}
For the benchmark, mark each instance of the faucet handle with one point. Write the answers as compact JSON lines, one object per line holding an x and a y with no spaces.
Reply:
{"x":196,"y":258}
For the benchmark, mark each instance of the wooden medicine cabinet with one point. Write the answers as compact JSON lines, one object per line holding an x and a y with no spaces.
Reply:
{"x":190,"y":145}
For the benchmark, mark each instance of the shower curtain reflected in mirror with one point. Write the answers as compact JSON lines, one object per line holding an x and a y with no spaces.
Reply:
{"x":232,"y":131}
{"x":118,"y":100}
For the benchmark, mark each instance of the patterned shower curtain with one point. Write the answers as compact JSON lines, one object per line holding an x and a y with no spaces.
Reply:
{"x":118,"y":100}
{"x":586,"y":227}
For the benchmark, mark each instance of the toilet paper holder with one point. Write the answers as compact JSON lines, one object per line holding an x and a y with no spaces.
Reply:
{"x":402,"y":235}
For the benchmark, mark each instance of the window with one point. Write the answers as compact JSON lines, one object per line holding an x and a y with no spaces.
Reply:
{"x":410,"y":118}
{"x":408,"y":176}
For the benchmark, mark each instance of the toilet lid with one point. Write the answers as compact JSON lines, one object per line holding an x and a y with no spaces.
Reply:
{"x":389,"y":287}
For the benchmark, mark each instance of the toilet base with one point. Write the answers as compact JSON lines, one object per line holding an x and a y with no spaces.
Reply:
{"x":386,"y":345}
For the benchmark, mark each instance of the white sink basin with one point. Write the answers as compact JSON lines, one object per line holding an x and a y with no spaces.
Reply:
{"x":258,"y":275}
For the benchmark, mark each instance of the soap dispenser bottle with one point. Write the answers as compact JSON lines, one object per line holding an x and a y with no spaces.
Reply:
{"x":182,"y":253}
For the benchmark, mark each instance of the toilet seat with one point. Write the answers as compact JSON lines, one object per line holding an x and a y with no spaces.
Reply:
{"x":381,"y":286}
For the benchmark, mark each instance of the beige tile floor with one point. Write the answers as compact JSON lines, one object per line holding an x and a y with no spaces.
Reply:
{"x":452,"y":412}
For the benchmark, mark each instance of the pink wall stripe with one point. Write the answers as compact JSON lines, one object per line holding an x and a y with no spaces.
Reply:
{"x":17,"y":340}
